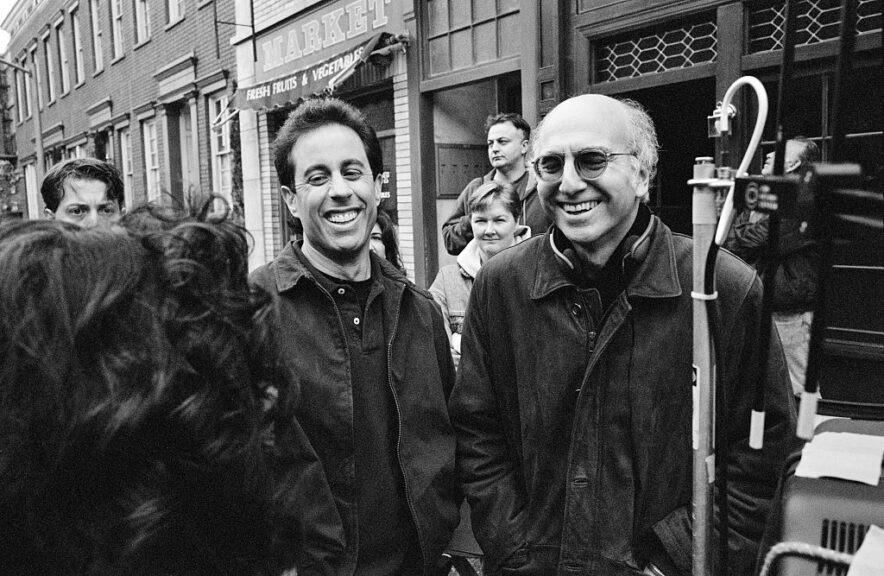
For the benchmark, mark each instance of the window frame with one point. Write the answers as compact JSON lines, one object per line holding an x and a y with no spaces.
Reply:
{"x":116,"y":22}
{"x":151,"y":147}
{"x":174,"y":11}
{"x":126,"y":165}
{"x":61,"y":50}
{"x":142,"y":22}
{"x":47,"y":59}
{"x":221,"y":148}
{"x":79,"y":52}
{"x":97,"y":35}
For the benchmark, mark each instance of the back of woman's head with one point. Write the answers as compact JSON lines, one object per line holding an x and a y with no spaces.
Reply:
{"x":133,"y":367}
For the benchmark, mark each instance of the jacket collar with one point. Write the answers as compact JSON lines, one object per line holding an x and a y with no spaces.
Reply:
{"x":530,"y":185}
{"x":653,"y":276}
{"x":290,"y":268}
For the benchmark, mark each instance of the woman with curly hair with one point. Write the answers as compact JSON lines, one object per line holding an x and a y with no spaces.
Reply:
{"x":145,"y":421}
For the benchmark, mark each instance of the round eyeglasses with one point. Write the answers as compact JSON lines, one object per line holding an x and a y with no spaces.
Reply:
{"x":589,"y":163}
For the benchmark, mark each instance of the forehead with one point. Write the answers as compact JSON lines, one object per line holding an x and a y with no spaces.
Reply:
{"x":493,"y":208}
{"x":504,"y":130}
{"x":83,"y":190}
{"x":328,"y":145}
{"x":583,"y":122}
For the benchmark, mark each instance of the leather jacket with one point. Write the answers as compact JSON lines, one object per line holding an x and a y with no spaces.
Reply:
{"x":420,"y":375}
{"x":574,"y":438}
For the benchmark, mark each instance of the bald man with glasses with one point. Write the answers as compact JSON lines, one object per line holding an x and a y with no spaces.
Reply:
{"x":572,"y":406}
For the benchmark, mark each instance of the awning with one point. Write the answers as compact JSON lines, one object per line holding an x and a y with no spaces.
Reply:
{"x":321,"y":77}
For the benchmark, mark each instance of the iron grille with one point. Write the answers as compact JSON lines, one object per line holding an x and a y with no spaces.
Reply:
{"x":653,"y":51}
{"x":841,"y":537}
{"x":817,"y":20}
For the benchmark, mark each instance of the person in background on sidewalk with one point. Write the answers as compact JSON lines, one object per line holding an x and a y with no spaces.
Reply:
{"x":572,"y":405}
{"x":508,"y":136}
{"x":796,"y":276}
{"x":385,"y":241}
{"x":368,"y":347}
{"x":84,"y":191}
{"x":494,"y":214}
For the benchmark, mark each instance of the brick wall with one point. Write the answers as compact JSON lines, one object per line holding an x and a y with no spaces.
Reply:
{"x":129,"y":81}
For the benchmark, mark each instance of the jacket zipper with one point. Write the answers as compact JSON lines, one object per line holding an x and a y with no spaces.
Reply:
{"x":399,"y":428}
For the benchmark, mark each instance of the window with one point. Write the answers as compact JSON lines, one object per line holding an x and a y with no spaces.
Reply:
{"x":50,"y":77}
{"x":78,"y":151}
{"x":151,"y":159}
{"x":461,"y":34}
{"x":142,"y":21}
{"x":38,"y":81}
{"x":79,"y":73}
{"x":97,"y":46}
{"x":175,"y":10}
{"x":126,"y":164}
{"x":23,"y":94}
{"x":62,"y":45}
{"x":117,"y":27}
{"x":222,"y":154}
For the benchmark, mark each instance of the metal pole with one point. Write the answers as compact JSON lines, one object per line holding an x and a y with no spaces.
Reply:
{"x":704,"y":220}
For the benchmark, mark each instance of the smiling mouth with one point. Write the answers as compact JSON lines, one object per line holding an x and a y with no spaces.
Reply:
{"x":342,"y":217}
{"x":580,"y":207}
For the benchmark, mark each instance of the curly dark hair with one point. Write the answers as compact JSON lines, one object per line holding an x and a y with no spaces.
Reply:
{"x":142,"y":402}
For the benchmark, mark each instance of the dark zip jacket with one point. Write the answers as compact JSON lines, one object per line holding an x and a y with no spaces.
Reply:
{"x":574,"y":438}
{"x":420,"y":374}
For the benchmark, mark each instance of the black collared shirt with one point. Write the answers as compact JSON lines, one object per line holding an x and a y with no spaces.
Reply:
{"x":388,"y":541}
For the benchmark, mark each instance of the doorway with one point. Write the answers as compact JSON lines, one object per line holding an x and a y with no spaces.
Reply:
{"x":679,"y":112}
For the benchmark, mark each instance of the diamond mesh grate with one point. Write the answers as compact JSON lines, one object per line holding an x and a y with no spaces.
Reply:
{"x":817,"y":20}
{"x":658,"y":51}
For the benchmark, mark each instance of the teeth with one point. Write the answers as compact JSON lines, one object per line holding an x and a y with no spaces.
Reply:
{"x":343,"y":217}
{"x":581,"y":207}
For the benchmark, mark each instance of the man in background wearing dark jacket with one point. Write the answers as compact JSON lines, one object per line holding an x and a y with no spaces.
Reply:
{"x":795,"y":279}
{"x":573,"y":399}
{"x":368,"y":347}
{"x":508,"y":136}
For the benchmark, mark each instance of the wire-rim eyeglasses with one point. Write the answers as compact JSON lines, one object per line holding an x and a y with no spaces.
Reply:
{"x":590,"y":164}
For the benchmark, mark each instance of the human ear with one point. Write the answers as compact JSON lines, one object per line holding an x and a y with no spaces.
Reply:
{"x":291,"y":200}
{"x":50,"y":215}
{"x":643,"y":183}
{"x":378,"y":184}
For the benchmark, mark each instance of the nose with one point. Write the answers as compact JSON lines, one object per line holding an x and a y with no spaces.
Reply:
{"x":571,"y":180}
{"x":91,"y":220}
{"x":338,"y":186}
{"x":489,"y":229}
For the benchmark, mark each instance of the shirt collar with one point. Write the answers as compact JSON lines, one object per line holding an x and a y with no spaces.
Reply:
{"x":655,"y":276}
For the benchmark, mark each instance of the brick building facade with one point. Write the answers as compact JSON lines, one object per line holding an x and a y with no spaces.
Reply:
{"x":137,"y":83}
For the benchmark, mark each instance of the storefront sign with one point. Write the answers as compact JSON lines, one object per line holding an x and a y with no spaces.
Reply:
{"x":321,"y":77}
{"x":333,"y":28}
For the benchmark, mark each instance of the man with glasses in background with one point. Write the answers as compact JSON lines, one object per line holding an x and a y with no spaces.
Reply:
{"x":368,"y":348}
{"x":573,"y":400}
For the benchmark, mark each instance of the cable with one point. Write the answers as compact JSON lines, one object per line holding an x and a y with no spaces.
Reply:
{"x":803,"y":549}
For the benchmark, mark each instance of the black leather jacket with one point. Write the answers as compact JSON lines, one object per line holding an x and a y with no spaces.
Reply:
{"x":420,"y":374}
{"x":574,"y":440}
